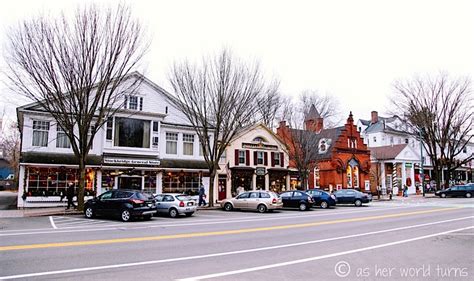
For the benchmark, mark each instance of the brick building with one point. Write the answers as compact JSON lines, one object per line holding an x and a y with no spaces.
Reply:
{"x":342,"y":161}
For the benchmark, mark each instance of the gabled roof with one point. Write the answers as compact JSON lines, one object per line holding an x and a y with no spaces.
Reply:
{"x":313,"y":114}
{"x":330,"y":134}
{"x":387,"y":152}
{"x":246,"y":129}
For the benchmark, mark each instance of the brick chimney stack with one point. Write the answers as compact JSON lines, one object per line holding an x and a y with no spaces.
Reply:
{"x":374,"y":117}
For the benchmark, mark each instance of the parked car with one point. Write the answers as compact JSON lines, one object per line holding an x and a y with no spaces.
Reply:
{"x":125,"y":204}
{"x":457,"y":190}
{"x":175,"y":204}
{"x":351,"y":196}
{"x":297,"y":199}
{"x":322,"y":198}
{"x":261,"y":201}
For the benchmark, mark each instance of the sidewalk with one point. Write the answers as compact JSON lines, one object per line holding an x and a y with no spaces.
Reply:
{"x":411,"y":197}
{"x":37,"y":212}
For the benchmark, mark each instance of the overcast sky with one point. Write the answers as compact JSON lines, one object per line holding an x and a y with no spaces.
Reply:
{"x":353,"y":50}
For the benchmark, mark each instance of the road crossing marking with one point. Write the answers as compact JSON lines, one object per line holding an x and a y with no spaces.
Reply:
{"x":211,"y":233}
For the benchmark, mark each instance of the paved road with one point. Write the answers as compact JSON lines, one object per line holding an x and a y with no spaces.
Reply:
{"x":424,"y":240}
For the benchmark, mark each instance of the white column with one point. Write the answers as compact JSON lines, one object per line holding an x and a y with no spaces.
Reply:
{"x":404,"y":175}
{"x":267,"y":181}
{"x":216,"y":188}
{"x":412,"y":189}
{"x":382,"y":175}
{"x":254,"y":182}
{"x":159,"y":182}
{"x":116,"y":179}
{"x":143,"y":183}
{"x":21,"y":187}
{"x":98,"y":175}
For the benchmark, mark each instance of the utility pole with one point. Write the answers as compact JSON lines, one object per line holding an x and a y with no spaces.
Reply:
{"x":422,"y":176}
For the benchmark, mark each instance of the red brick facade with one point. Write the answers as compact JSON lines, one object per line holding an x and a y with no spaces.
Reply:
{"x":347,"y":161}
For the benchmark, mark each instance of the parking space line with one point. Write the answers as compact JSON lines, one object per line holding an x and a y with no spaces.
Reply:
{"x":75,"y":270}
{"x":212,"y":233}
{"x":52,"y":222}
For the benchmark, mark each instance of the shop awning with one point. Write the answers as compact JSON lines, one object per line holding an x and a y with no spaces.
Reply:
{"x":57,"y":159}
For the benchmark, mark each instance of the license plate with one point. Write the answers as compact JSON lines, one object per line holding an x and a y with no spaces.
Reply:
{"x":187,"y":209}
{"x":149,"y":204}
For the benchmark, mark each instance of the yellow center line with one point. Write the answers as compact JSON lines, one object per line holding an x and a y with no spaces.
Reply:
{"x":212,"y":233}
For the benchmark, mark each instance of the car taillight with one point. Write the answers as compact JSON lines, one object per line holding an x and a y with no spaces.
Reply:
{"x":137,"y":201}
{"x":181,"y":204}
{"x":274,"y":201}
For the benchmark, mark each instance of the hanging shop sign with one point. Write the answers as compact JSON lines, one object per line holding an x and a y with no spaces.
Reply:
{"x":260,"y":171}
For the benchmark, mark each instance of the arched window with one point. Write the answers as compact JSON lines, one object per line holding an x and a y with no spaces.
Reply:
{"x":355,"y":170}
{"x":259,"y":139}
{"x":349,"y":176}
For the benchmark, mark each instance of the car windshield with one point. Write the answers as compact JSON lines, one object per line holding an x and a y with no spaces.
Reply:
{"x":183,"y":197}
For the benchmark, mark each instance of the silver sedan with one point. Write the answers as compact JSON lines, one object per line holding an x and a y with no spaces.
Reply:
{"x":175,"y":204}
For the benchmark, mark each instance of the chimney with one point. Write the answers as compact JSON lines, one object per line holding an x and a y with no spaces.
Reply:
{"x":281,"y":128}
{"x":374,"y":117}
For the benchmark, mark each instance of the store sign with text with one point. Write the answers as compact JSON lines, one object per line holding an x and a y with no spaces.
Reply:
{"x":131,"y":161}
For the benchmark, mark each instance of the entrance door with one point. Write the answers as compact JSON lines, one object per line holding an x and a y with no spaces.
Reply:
{"x":222,"y":185}
{"x":130,"y":183}
{"x":260,"y":184}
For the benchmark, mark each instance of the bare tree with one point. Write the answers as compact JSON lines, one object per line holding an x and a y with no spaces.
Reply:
{"x":441,"y":111}
{"x":218,"y":97}
{"x":269,"y":104}
{"x":328,"y":106}
{"x":10,"y":147}
{"x":75,"y":69}
{"x":302,"y":146}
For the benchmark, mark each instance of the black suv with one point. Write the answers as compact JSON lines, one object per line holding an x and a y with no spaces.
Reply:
{"x":297,"y":199}
{"x":457,"y":190}
{"x":125,"y":204}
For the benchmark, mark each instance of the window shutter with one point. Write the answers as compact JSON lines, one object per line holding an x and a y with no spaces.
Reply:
{"x":265,"y":158}
{"x":236,"y":162}
{"x":247,"y":158}
{"x":282,"y":159}
{"x":255,"y":161}
{"x":272,"y":155}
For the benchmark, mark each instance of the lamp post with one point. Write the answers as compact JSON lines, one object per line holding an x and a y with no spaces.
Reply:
{"x":422,"y":176}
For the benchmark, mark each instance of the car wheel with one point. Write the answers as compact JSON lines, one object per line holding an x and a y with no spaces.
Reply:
{"x":303,"y":207}
{"x":89,"y":213}
{"x":468,"y":195}
{"x":125,"y":215}
{"x":173,"y":213}
{"x":358,"y":203}
{"x":324,"y":205}
{"x":443,"y":195}
{"x":261,"y":208}
{"x":228,"y":207}
{"x":189,"y":214}
{"x":147,"y":217}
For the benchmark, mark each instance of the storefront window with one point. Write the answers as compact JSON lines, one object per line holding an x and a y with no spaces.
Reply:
{"x":181,"y":182}
{"x":132,"y":132}
{"x":54,"y":181}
